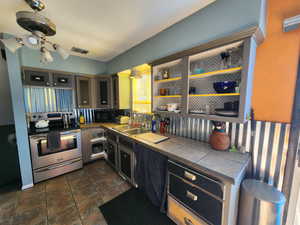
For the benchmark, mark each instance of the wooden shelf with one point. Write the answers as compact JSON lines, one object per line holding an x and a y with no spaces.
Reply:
{"x":213,"y":73}
{"x":210,"y":95}
{"x":168,"y":96}
{"x":168,"y":80}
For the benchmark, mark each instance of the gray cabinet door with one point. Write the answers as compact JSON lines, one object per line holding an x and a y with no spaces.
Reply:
{"x":36,"y":78}
{"x":83,"y":86}
{"x":104,"y":92}
{"x":63,"y":80}
{"x":115,"y":90}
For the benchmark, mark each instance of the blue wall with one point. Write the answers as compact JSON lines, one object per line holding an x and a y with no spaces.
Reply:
{"x":215,"y":21}
{"x":75,"y":64}
{"x":16,"y":87}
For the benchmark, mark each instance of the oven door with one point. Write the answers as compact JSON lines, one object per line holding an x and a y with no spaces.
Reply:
{"x":67,"y":142}
{"x":42,"y":156}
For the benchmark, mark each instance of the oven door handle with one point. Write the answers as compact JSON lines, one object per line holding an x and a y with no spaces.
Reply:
{"x":58,"y":166}
{"x":62,"y":137}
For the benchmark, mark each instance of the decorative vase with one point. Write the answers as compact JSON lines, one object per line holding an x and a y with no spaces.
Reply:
{"x":219,"y":140}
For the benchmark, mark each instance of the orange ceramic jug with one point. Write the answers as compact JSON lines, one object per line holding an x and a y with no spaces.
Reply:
{"x":219,"y":140}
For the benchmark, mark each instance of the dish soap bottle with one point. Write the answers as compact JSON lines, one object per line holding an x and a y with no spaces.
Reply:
{"x":81,"y":119}
{"x":153,"y":126}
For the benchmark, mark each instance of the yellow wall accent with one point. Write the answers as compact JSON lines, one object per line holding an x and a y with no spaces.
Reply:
{"x":124,"y":89}
{"x":141,"y":89}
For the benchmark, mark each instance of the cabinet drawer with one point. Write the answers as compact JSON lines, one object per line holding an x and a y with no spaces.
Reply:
{"x":210,"y":184}
{"x":203,"y":204}
{"x":181,"y":215}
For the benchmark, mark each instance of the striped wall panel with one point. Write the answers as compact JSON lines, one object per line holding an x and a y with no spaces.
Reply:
{"x":266,"y":141}
{"x":87,"y":113}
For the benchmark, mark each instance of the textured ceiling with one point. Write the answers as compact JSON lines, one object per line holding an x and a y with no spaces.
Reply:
{"x":105,"y":28}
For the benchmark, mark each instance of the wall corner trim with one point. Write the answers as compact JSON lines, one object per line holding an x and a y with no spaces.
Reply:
{"x":27,"y":186}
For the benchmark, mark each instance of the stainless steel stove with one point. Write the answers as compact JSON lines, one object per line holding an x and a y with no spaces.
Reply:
{"x":48,"y":159}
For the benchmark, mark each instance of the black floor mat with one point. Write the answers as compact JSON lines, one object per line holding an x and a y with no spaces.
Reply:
{"x":133,"y":208}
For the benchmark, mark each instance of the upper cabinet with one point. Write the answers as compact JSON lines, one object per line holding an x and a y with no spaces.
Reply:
{"x":168,"y":86}
{"x":214,"y":83}
{"x":115,"y":90}
{"x":84,"y":92}
{"x":63,"y":80}
{"x":46,"y":78}
{"x":36,"y":77}
{"x":103,"y":92}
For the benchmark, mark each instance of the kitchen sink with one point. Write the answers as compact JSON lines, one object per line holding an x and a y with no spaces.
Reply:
{"x":129,"y":130}
{"x":135,"y":131}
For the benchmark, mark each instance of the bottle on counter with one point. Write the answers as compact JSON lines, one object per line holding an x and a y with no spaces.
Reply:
{"x":153,"y":125}
{"x":81,"y":119}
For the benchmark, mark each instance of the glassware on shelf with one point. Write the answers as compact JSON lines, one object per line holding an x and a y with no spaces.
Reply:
{"x":224,"y":60}
{"x":166,"y":74}
{"x":230,"y":58}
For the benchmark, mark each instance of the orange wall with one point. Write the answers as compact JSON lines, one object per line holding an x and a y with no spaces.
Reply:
{"x":276,"y":65}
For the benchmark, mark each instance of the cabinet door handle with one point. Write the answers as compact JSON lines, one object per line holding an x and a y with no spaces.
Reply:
{"x":191,"y":196}
{"x":190,"y":176}
{"x":187,"y":221}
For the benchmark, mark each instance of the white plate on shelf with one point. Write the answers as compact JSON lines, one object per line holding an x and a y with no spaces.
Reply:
{"x":197,"y":112}
{"x":224,"y":112}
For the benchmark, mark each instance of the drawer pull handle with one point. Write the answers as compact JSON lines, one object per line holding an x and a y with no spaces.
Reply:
{"x":192,"y":196}
{"x":189,"y":176}
{"x":187,"y":221}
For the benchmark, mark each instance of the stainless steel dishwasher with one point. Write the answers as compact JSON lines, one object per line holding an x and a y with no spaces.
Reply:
{"x":93,"y":144}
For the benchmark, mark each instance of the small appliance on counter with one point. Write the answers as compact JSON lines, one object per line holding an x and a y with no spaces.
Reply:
{"x":107,"y":115}
{"x":122,"y":119}
{"x":55,"y":144}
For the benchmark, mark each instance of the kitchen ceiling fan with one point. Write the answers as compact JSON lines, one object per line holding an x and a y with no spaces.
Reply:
{"x":40,"y":27}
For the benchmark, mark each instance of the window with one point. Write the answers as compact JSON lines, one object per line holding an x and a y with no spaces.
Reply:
{"x":40,"y":99}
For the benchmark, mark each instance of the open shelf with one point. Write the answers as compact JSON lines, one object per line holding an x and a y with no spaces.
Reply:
{"x":213,"y":73}
{"x":168,"y":80}
{"x":168,"y":96}
{"x":211,"y":95}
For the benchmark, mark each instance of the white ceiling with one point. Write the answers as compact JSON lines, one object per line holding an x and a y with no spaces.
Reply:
{"x":105,"y":28}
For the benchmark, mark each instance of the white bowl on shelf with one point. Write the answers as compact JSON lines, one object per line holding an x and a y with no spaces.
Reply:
{"x":172,"y":107}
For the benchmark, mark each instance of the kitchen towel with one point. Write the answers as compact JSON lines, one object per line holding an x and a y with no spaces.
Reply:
{"x":150,"y":175}
{"x":53,"y":140}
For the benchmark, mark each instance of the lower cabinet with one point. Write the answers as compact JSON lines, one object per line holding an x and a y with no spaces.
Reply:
{"x":127,"y":163}
{"x":112,"y":153}
{"x":194,"y":198}
{"x":181,"y":215}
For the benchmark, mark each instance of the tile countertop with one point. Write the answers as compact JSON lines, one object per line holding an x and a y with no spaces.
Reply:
{"x":230,"y":166}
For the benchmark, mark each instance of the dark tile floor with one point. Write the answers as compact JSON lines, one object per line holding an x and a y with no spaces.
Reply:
{"x":71,"y":199}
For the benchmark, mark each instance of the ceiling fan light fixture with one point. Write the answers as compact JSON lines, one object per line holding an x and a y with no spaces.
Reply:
{"x":46,"y":56}
{"x":12,"y":44}
{"x":31,"y":41}
{"x":61,"y":51}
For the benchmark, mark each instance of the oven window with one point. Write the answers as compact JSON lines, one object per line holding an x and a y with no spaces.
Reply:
{"x":66,"y":143}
